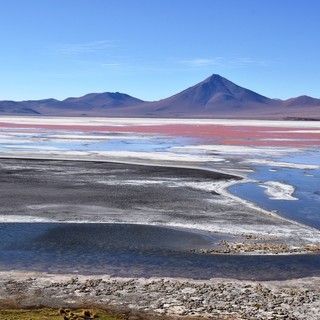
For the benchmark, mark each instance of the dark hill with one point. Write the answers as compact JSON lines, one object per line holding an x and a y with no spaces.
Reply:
{"x":215,"y":97}
{"x":104,"y":100}
{"x":302,"y":101}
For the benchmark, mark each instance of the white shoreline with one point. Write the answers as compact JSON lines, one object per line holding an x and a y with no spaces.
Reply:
{"x":278,"y":190}
{"x":98,"y":121}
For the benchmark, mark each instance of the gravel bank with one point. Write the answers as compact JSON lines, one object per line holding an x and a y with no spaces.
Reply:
{"x":292,"y":299}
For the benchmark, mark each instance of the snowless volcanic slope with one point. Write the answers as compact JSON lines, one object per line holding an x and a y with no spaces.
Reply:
{"x":221,"y":98}
{"x":90,"y":104}
{"x":13,"y":107}
{"x":215,"y":97}
{"x":104,"y":100}
{"x":215,"y":94}
{"x":302,"y":101}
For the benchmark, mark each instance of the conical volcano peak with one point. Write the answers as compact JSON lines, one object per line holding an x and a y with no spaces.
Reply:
{"x":215,"y":77}
{"x":216,"y":84}
{"x":215,"y":96}
{"x":216,"y":80}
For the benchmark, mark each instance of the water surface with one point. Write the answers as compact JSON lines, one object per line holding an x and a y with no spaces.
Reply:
{"x":305,"y":210}
{"x":135,"y":251}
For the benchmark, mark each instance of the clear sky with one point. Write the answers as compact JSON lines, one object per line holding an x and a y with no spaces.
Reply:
{"x":152,"y":49}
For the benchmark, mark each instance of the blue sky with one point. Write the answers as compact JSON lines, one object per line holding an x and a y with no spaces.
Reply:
{"x":153,"y":49}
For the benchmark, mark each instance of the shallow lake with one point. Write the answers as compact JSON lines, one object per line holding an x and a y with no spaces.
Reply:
{"x":135,"y":251}
{"x":307,"y":190}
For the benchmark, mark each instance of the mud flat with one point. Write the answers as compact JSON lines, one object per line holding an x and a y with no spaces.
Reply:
{"x":102,"y":192}
{"x":211,"y":299}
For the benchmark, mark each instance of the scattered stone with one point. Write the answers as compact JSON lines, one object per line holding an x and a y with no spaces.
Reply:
{"x":259,"y":248}
{"x":211,"y":299}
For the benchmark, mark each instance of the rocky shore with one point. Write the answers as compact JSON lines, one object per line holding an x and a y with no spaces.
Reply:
{"x":259,"y":248}
{"x":213,"y":299}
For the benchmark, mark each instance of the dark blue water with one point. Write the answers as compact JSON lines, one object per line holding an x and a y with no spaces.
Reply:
{"x":135,"y":251}
{"x":307,"y":189}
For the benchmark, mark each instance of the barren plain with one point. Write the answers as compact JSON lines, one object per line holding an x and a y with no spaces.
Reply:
{"x":163,"y":173}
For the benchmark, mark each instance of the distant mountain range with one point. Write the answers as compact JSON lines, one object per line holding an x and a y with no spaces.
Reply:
{"x":215,"y":97}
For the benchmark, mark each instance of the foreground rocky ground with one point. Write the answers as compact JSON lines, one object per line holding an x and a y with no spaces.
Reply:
{"x":58,"y":314}
{"x":213,"y":299}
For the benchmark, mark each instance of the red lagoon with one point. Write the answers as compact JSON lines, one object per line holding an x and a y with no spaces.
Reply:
{"x":213,"y":134}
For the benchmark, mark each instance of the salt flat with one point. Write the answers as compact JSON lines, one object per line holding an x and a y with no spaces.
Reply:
{"x":98,"y":121}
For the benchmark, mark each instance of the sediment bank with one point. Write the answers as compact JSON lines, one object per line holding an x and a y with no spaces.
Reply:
{"x":213,"y":299}
{"x":78,"y":191}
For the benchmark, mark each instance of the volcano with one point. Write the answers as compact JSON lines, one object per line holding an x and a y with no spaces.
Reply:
{"x":215,"y":97}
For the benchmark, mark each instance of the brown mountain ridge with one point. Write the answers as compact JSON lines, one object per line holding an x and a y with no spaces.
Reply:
{"x":215,"y":97}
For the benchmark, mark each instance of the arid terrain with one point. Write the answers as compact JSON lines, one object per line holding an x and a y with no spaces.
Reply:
{"x":211,"y":299}
{"x":72,"y":179}
{"x":214,"y":97}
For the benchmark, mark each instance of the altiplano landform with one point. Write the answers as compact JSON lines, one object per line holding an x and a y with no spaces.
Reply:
{"x":144,"y":207}
{"x":215,"y":299}
{"x":215,"y":97}
{"x":231,"y":147}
